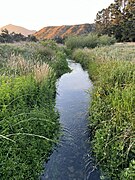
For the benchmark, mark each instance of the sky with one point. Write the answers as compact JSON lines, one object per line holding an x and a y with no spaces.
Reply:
{"x":36,"y":14}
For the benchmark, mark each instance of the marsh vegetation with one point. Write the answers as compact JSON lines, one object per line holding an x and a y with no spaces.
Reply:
{"x":29,"y":121}
{"x":112,"y":120}
{"x":29,"y":125}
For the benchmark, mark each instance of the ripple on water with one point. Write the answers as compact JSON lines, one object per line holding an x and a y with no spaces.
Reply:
{"x":72,"y":160}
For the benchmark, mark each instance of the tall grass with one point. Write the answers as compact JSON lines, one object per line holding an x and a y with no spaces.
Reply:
{"x":42,"y":72}
{"x":112,"y":111}
{"x":34,"y":52}
{"x":29,"y":125}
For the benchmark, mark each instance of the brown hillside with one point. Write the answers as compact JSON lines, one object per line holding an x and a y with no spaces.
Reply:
{"x":51,"y":32}
{"x":17,"y":29}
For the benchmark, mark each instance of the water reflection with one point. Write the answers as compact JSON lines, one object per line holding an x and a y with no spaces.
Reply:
{"x":71,"y":159}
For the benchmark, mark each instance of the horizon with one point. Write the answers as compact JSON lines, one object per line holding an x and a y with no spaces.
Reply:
{"x":35,"y":16}
{"x":45,"y":26}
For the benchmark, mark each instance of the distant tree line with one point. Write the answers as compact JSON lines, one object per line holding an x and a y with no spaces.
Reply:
{"x":6,"y":37}
{"x":118,"y":20}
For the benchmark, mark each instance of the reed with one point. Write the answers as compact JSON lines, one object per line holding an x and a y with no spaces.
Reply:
{"x":42,"y":72}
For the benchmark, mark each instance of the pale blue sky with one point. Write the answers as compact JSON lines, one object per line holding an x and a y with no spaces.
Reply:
{"x":36,"y":14}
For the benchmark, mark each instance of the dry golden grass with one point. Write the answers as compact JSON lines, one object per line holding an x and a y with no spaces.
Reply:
{"x":42,"y":72}
{"x":18,"y":63}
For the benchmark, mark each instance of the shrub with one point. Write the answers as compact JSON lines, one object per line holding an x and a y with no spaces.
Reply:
{"x":105,"y":40}
{"x":60,"y":65}
{"x":90,"y":41}
{"x":50,"y":44}
{"x":80,"y":57}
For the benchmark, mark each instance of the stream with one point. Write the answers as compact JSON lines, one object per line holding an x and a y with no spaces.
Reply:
{"x":71,"y":160}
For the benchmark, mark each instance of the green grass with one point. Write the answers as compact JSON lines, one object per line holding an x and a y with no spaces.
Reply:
{"x":29,"y":122}
{"x":112,"y":111}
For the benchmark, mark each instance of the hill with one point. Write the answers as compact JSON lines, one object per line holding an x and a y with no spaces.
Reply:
{"x":18,"y":29}
{"x":52,"y":32}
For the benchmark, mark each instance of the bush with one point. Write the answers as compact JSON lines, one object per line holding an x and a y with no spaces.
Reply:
{"x":106,"y":40}
{"x":90,"y":41}
{"x":73,"y":42}
{"x":50,"y":44}
{"x":80,"y":57}
{"x":60,"y":65}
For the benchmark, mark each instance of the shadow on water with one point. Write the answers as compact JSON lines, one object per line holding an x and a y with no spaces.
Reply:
{"x":72,"y":160}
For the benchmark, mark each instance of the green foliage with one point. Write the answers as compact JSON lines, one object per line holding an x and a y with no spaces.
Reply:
{"x":129,"y":173}
{"x":50,"y":44}
{"x":112,"y":119}
{"x":82,"y":41}
{"x":118,"y":20}
{"x":73,"y":42}
{"x":58,"y":57}
{"x":90,"y":41}
{"x":80,"y":57}
{"x":61,"y":65}
{"x":44,"y":53}
{"x":106,"y":40}
{"x":6,"y":37}
{"x":29,"y":126}
{"x":66,"y":51}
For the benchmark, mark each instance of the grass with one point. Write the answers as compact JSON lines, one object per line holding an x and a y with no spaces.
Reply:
{"x":29,"y":122}
{"x":112,"y":111}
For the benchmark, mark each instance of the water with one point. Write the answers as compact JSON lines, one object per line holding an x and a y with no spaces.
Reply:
{"x":72,"y":160}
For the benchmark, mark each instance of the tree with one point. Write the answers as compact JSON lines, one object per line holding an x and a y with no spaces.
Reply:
{"x":5,"y":36}
{"x":118,"y":20}
{"x":32,"y":38}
